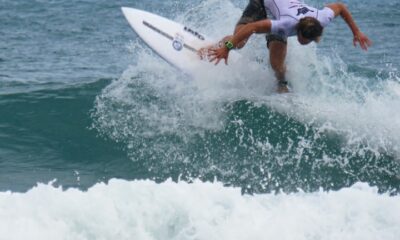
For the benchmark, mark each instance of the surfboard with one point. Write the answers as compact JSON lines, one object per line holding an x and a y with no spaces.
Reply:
{"x":176,"y":43}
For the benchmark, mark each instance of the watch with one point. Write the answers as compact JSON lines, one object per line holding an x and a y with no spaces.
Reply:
{"x":229,"y":45}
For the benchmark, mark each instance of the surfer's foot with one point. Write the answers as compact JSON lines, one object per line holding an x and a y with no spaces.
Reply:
{"x":283,"y":87}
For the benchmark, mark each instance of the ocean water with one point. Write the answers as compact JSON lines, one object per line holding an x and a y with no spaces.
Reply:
{"x":102,"y":139}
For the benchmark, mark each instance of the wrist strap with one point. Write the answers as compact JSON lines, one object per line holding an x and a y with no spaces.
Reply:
{"x":229,"y":45}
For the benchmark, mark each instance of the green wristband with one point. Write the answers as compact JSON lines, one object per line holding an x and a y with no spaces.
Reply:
{"x":229,"y":45}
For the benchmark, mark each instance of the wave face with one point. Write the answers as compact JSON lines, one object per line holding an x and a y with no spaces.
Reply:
{"x":338,"y":128}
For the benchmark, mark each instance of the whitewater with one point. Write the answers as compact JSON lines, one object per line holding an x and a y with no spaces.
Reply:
{"x":169,"y":210}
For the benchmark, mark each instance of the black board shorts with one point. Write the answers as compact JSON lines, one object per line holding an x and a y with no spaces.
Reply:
{"x":255,"y":11}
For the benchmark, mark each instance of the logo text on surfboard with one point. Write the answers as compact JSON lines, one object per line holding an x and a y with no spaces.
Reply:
{"x":198,"y":35}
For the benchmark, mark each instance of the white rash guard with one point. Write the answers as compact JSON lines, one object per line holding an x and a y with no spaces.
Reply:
{"x":287,"y":14}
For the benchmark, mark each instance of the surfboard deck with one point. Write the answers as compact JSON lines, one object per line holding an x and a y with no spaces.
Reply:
{"x":176,"y":43}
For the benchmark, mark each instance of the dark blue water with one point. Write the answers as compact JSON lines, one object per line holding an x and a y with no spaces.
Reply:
{"x":83,"y":100}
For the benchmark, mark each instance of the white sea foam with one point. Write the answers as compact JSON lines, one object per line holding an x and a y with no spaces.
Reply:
{"x":359,"y":108}
{"x":146,"y":210}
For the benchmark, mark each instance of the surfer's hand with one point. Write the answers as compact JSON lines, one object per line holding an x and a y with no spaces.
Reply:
{"x":218,"y":54}
{"x":204,"y":52}
{"x":362,"y":40}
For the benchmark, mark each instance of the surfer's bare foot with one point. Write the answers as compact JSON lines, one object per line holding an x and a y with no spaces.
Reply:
{"x":282,"y":88}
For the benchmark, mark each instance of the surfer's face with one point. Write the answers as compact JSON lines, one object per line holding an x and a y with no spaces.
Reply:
{"x":302,"y":40}
{"x":308,"y":29}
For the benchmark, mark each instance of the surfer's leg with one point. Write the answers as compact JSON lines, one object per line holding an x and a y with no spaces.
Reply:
{"x":277,"y":55}
{"x":254,"y":11}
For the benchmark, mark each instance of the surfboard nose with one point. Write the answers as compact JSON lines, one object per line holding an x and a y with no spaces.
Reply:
{"x":127,"y":11}
{"x":124,"y":10}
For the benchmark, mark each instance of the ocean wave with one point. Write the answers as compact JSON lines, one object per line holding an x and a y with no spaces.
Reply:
{"x":147,"y":210}
{"x":229,"y":122}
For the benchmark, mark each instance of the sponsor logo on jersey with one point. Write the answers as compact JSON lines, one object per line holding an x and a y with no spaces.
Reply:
{"x":303,"y":10}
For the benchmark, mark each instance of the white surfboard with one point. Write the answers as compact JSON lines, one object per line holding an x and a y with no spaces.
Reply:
{"x":176,"y":43}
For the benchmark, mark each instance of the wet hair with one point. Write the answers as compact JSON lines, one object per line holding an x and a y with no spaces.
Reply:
{"x":310,"y":28}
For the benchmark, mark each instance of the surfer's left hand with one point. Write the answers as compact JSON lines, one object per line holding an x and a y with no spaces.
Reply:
{"x":218,"y":54}
{"x":361,"y":39}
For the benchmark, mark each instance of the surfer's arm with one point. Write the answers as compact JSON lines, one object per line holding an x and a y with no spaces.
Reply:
{"x":239,"y":38}
{"x":341,"y":10}
{"x":244,"y":33}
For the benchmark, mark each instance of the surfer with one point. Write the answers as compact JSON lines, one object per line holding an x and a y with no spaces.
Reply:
{"x":290,"y":18}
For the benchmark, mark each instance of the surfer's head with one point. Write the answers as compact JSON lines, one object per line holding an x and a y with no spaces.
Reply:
{"x":309,"y":29}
